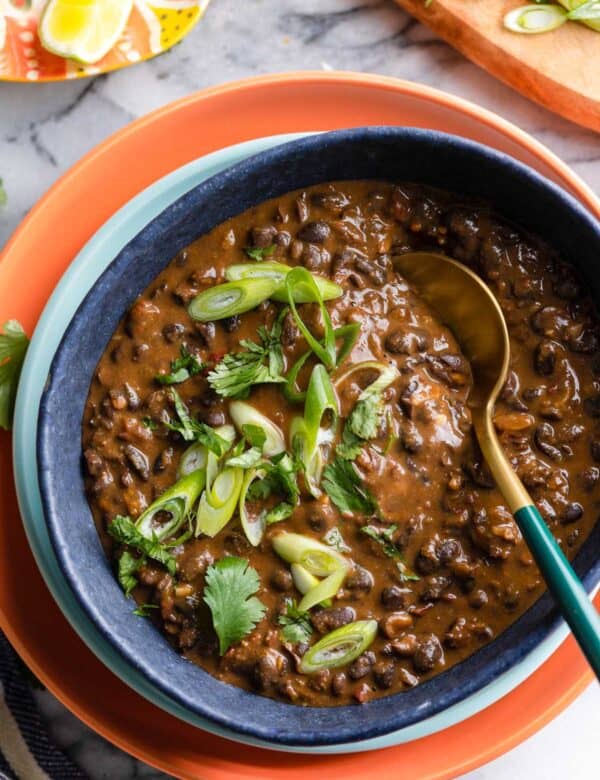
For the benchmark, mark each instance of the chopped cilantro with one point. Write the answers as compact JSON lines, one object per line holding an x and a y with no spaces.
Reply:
{"x":237,"y":372}
{"x":334,"y":539}
{"x":13,"y":346}
{"x":254,"y":435}
{"x":345,"y":488}
{"x":259,"y":253}
{"x":406,"y":574}
{"x":280,"y":512}
{"x":246,"y":460}
{"x":182,"y":368}
{"x":296,"y":625}
{"x":123,"y":529}
{"x":128,"y":566}
{"x":280,"y":477}
{"x":231,"y":584}
{"x":149,"y":423}
{"x":365,"y":418}
{"x":144,"y":610}
{"x":194,"y":430}
{"x":350,"y":446}
{"x":384,"y":537}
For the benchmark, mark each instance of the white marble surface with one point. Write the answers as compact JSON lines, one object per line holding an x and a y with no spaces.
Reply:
{"x":44,"y":129}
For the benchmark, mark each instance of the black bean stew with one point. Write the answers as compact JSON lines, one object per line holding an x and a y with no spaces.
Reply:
{"x":384,"y":502}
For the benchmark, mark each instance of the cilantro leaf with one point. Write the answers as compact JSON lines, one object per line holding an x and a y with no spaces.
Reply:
{"x":246,"y":460}
{"x":259,"y":253}
{"x":237,"y":372}
{"x":350,"y":446}
{"x":182,"y":368}
{"x":384,"y":537}
{"x":127,"y":569}
{"x":296,"y":623}
{"x":280,"y":476}
{"x":334,"y":539}
{"x":123,"y":530}
{"x":144,"y":610}
{"x":254,"y":435}
{"x":345,"y":488}
{"x":194,"y":430}
{"x":365,"y":418}
{"x":230,"y":587}
{"x":13,"y":346}
{"x":280,"y":512}
{"x":149,"y":423}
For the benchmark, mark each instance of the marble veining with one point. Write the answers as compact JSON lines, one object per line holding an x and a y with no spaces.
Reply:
{"x":44,"y":129}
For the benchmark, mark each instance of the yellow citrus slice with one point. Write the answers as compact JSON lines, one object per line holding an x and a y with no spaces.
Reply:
{"x":84,"y":30}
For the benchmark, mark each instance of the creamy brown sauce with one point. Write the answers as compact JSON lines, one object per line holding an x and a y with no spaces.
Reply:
{"x":476,"y":575}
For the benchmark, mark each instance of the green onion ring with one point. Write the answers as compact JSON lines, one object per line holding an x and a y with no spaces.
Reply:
{"x":349,"y":334}
{"x":339,"y":647}
{"x":231,"y":298}
{"x":177,"y":501}
{"x":278,"y":272}
{"x":300,"y":281}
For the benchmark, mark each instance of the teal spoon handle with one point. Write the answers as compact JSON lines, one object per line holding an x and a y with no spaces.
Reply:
{"x":563,"y":583}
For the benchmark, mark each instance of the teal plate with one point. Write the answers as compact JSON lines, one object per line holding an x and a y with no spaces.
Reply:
{"x":76,"y":282}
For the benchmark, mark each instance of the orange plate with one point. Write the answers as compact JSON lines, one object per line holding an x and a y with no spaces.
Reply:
{"x":131,"y":160}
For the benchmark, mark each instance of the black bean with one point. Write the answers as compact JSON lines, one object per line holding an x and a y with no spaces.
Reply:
{"x":173,"y":332}
{"x":314,"y":232}
{"x":315,"y":258}
{"x":164,"y":460}
{"x":545,"y":357}
{"x":401,"y":342}
{"x":384,"y":673}
{"x":362,"y":666}
{"x":359,"y":579}
{"x":394,"y":597}
{"x":428,"y":654}
{"x":138,"y":460}
{"x":232,"y":324}
{"x":269,"y":669}
{"x":281,"y":579}
{"x":327,"y":620}
{"x":338,"y":683}
{"x":478,"y":598}
{"x":262,"y":237}
{"x":585,"y":342}
{"x":93,"y":462}
{"x":207,"y":331}
{"x":449,"y":551}
{"x":572,"y":513}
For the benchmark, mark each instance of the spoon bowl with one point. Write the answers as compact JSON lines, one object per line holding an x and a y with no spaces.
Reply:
{"x":467,"y":306}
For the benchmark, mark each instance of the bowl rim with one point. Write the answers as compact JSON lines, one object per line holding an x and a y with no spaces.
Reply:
{"x":495,"y":665}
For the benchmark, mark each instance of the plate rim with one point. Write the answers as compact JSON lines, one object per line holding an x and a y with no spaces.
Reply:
{"x":402,"y":89}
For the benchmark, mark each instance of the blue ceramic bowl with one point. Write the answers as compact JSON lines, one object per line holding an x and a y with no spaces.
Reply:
{"x":368,"y":153}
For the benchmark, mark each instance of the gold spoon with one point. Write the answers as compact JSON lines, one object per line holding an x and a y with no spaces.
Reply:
{"x":467,"y":306}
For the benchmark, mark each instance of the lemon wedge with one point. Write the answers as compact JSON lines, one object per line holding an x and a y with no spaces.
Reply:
{"x":83,"y":30}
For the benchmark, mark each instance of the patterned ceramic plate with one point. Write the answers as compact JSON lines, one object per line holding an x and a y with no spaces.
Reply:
{"x":153,"y":27}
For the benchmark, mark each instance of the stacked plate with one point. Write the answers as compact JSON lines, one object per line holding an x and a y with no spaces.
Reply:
{"x":346,"y":100}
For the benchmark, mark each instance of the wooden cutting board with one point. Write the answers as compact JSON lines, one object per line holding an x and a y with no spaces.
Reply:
{"x":559,"y":69}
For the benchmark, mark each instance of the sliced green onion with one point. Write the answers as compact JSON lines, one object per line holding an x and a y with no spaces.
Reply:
{"x":317,"y":558}
{"x":231,"y":298}
{"x":532,"y":19}
{"x":299,"y":282}
{"x":253,"y":527}
{"x":326,"y":589}
{"x":587,"y":11}
{"x":177,"y":502}
{"x":244,"y":414}
{"x":227,"y":486}
{"x":278,"y":272}
{"x":349,"y":334}
{"x":588,"y":8}
{"x":387,"y":373}
{"x":193,"y":458}
{"x":307,"y":433}
{"x":303,"y":579}
{"x":339,"y":647}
